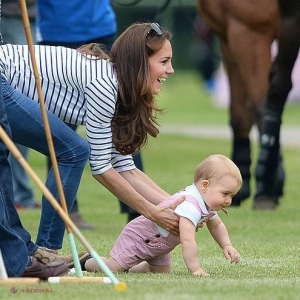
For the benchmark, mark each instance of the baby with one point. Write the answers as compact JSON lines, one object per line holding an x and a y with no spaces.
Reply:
{"x":143,"y":246}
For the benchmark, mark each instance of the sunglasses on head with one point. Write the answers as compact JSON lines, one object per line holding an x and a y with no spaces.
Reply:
{"x":155,"y":28}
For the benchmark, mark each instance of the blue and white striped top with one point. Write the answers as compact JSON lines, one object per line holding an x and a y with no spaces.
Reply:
{"x":77,"y":89}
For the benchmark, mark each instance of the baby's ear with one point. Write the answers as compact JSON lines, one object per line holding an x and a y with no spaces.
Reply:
{"x":204,"y":184}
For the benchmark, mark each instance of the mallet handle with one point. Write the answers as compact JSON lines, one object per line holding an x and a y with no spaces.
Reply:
{"x":19,"y":280}
{"x":105,"y":280}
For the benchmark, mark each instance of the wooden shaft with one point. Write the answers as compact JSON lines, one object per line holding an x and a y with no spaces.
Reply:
{"x":19,"y":280}
{"x":65,"y":279}
{"x":43,"y":109}
{"x":16,"y":153}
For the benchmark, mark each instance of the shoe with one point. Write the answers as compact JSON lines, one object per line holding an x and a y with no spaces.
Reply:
{"x":20,"y":206}
{"x":79,"y":222}
{"x":83,"y":261}
{"x":46,"y":256}
{"x":83,"y":257}
{"x":132,"y":216}
{"x":44,"y":271}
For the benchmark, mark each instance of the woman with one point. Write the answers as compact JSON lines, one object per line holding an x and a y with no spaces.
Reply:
{"x":143,"y":247}
{"x":112,"y":96}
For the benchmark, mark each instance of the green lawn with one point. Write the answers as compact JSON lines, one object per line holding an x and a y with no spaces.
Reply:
{"x":268,"y":241}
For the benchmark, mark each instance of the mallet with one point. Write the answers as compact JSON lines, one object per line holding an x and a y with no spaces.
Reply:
{"x":65,"y":279}
{"x":119,"y":286}
{"x":48,"y":134}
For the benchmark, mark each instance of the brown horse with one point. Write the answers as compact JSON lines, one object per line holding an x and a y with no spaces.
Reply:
{"x":246,"y":30}
{"x":280,"y":85}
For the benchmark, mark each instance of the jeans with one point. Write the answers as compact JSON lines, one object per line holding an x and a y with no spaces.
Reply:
{"x":105,"y":40}
{"x":71,"y":151}
{"x":23,"y":193}
{"x":12,"y":30}
{"x":15,"y":242}
{"x":124,"y":208}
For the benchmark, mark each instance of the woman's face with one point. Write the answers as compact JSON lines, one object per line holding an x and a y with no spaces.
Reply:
{"x":160,"y":66}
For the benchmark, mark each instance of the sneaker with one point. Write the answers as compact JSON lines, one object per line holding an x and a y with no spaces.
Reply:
{"x":44,"y":271}
{"x":35,"y":205}
{"x":46,"y":256}
{"x":79,"y":222}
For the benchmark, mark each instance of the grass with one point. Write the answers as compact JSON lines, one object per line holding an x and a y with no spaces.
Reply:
{"x":268,"y":241}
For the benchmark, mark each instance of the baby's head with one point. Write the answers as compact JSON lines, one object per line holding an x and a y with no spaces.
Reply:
{"x":218,"y":179}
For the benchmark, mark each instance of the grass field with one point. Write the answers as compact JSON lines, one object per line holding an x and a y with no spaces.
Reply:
{"x":268,"y":241}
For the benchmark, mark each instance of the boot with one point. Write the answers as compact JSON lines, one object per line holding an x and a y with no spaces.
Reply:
{"x":79,"y":222}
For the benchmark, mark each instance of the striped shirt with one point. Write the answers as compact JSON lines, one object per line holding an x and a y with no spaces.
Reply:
{"x":79,"y":90}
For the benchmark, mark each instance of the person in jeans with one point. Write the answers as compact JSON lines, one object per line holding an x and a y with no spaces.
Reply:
{"x":93,"y":22}
{"x":12,"y":30}
{"x":88,"y":87}
{"x":17,"y":249}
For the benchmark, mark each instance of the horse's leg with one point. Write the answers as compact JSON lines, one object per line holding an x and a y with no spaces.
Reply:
{"x":213,"y":14}
{"x":248,"y":75}
{"x":240,"y":123}
{"x":267,"y":195}
{"x":253,"y":59}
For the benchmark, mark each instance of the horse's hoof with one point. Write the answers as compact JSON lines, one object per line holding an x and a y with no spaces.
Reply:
{"x":242,"y":194}
{"x":265,"y":203}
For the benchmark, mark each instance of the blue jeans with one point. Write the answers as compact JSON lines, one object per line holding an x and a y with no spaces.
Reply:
{"x":71,"y":151}
{"x":23,"y":193}
{"x":12,"y":30}
{"x":15,"y":241}
{"x":105,"y":40}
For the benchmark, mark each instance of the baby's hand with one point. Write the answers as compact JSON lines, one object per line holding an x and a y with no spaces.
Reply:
{"x":200,"y":272}
{"x":231,"y":253}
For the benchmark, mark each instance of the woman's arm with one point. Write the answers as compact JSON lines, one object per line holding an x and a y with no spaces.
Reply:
{"x":145,"y":186}
{"x":138,"y":191}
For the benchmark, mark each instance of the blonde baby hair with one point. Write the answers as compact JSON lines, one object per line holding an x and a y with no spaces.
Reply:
{"x":216,"y":166}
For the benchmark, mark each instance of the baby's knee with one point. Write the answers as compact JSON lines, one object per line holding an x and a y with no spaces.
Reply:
{"x":160,"y":269}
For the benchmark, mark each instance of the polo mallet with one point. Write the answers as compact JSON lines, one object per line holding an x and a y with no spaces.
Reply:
{"x":119,"y":286}
{"x":3,"y":273}
{"x":48,"y":134}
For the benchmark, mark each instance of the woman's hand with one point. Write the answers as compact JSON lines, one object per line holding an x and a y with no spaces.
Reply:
{"x":166,"y":218}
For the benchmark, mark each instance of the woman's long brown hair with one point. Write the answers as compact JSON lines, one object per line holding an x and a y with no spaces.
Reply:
{"x":136,"y":112}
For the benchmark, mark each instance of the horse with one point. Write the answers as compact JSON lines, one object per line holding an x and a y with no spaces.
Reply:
{"x":246,"y":30}
{"x":280,"y":85}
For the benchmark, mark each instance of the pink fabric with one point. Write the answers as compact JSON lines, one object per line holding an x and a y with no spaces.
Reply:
{"x":140,"y":241}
